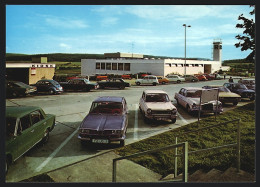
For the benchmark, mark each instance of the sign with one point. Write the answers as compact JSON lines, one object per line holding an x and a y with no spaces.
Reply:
{"x":33,"y":71}
{"x":209,"y":95}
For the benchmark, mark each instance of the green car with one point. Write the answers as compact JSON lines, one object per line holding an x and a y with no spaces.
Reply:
{"x":16,"y":89}
{"x":25,"y":127}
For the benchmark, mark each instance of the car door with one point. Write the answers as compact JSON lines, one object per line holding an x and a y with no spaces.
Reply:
{"x":182,"y":97}
{"x":38,"y":126}
{"x":141,"y":101}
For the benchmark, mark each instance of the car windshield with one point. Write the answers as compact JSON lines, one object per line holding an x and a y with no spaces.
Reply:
{"x":193,"y":93}
{"x":55,"y":83}
{"x":157,"y":98}
{"x":21,"y":84}
{"x":240,"y":86}
{"x":223,"y":89}
{"x":10,"y":126}
{"x":106,"y":107}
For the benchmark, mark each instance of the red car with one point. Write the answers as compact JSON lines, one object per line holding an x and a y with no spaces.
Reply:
{"x":201,"y":77}
{"x":209,"y":77}
{"x":106,"y":122}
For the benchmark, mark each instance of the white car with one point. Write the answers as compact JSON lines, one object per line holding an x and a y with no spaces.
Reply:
{"x":175,"y":78}
{"x":156,"y":104}
{"x":189,"y":98}
{"x":148,"y":79}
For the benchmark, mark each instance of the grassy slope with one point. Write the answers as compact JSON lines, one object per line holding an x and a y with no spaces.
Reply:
{"x":163,"y":162}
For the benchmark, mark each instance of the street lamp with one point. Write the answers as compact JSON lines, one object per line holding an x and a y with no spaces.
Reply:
{"x":185,"y":48}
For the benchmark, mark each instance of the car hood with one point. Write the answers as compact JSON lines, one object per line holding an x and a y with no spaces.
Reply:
{"x":243,"y":90}
{"x":196,"y":100}
{"x":228,"y":94}
{"x":160,"y":105}
{"x":102,"y":122}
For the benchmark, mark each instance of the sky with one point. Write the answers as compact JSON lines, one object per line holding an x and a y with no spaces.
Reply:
{"x":143,"y":29}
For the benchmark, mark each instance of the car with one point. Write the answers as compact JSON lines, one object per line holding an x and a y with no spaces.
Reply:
{"x":126,"y":77}
{"x":240,"y":89}
{"x":101,"y":77}
{"x":225,"y":95}
{"x":216,"y":76}
{"x":17,"y":88}
{"x":190,"y":78}
{"x":175,"y":78}
{"x":148,"y":79}
{"x":162,"y":80}
{"x":156,"y":105}
{"x":48,"y":86}
{"x":201,"y":77}
{"x":249,"y":83}
{"x":106,"y":122}
{"x":113,"y":83}
{"x":25,"y":127}
{"x":209,"y":76}
{"x":189,"y":98}
{"x":77,"y":84}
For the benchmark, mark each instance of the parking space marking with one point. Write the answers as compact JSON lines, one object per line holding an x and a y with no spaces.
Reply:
{"x":136,"y":123}
{"x":184,"y":120}
{"x":40,"y":167}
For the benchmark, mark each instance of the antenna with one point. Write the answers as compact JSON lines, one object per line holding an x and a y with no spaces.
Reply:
{"x":132,"y":49}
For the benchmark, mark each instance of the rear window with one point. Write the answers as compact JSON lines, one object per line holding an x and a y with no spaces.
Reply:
{"x":106,"y":107}
{"x":10,"y":126}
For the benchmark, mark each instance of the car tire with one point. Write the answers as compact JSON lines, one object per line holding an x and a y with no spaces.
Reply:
{"x":252,"y":98}
{"x":45,"y":139}
{"x":122,"y":143}
{"x":146,"y":120}
{"x":174,"y":120}
{"x":154,"y":84}
{"x":178,"y":81}
{"x":14,"y":94}
{"x":138,"y":83}
{"x":235,"y":103}
{"x":51,"y":92}
{"x":121,"y":87}
{"x":163,"y":82}
{"x":193,"y":80}
{"x":6,"y":165}
{"x":188,"y":109}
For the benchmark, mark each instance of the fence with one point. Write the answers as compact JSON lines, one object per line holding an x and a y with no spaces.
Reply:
{"x":184,"y":155}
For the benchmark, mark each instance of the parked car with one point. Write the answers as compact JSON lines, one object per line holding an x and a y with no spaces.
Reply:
{"x":175,"y":78}
{"x":126,"y":77}
{"x":48,"y":86}
{"x":189,"y":98}
{"x":190,"y":78}
{"x":240,"y":89}
{"x":216,"y":76}
{"x":249,"y":83}
{"x":114,"y":83}
{"x":156,"y":104}
{"x":106,"y":122}
{"x":225,"y":95}
{"x":209,"y":76}
{"x":79,"y":84}
{"x":25,"y":127}
{"x":148,"y":79}
{"x":16,"y":89}
{"x":100,"y":78}
{"x":201,"y":77}
{"x":162,"y":80}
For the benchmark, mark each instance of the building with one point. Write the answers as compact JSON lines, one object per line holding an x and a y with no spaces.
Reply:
{"x":126,"y":63}
{"x":30,"y":73}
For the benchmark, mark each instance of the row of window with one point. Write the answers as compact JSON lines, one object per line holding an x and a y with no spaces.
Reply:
{"x":113,"y":66}
{"x":182,"y":65}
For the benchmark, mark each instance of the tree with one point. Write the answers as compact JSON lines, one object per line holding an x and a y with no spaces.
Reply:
{"x":247,"y":40}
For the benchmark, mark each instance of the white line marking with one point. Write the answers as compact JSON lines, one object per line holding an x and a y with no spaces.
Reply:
{"x":136,"y":122}
{"x":182,"y":118}
{"x":39,"y":168}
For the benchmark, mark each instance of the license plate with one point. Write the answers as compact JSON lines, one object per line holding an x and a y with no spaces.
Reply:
{"x":99,"y":141}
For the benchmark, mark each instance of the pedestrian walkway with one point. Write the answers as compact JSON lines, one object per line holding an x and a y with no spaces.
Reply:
{"x":99,"y":169}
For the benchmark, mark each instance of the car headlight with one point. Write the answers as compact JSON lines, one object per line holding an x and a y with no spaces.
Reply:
{"x":174,"y":111}
{"x":194,"y":106}
{"x":149,"y":111}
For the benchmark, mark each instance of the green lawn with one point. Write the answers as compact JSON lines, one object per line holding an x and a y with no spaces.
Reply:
{"x":163,"y":162}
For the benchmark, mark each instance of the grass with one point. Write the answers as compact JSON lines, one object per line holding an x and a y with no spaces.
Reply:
{"x":163,"y":162}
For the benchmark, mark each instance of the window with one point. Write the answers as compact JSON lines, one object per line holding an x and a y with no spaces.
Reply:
{"x":108,"y":66}
{"x":114,"y":66}
{"x":120,"y":66}
{"x":97,"y":65}
{"x":127,"y":67}
{"x":36,"y":116}
{"x":25,"y":122}
{"x":103,"y":65}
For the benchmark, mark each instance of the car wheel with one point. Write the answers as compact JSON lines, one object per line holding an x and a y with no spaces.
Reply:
{"x":193,"y":80}
{"x":121,"y":87}
{"x":154,"y":84}
{"x":46,"y":137}
{"x":138,"y":83}
{"x":178,"y":81}
{"x":122,"y":143}
{"x":146,"y":120}
{"x":14,"y":94}
{"x":51,"y":92}
{"x":235,"y":103}
{"x":252,"y":98}
{"x":174,"y":120}
{"x":163,"y":82}
{"x":188,"y":109}
{"x":6,"y":165}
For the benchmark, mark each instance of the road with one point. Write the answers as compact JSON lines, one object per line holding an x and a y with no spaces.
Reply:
{"x":70,"y":108}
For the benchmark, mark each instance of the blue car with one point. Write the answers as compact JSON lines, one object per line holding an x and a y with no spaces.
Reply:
{"x":241,"y":90}
{"x":48,"y":86}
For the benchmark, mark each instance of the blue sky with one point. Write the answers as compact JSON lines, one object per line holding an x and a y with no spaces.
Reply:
{"x":151,"y":30}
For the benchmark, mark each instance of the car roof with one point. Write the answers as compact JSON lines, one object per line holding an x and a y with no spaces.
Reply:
{"x":154,"y":91}
{"x":19,"y":111}
{"x":192,"y":88}
{"x":109,"y":99}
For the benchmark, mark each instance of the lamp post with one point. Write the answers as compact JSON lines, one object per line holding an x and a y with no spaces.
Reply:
{"x":185,"y":48}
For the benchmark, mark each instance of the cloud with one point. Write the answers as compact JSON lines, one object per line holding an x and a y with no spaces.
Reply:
{"x":108,"y":21}
{"x":66,"y":46}
{"x":65,"y":22}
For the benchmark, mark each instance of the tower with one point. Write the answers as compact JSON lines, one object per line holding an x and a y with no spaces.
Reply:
{"x":217,"y":50}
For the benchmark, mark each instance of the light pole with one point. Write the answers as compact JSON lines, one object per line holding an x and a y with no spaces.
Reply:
{"x":185,"y":48}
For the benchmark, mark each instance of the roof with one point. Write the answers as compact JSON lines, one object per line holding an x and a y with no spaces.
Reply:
{"x":154,"y":91}
{"x":19,"y":111}
{"x":193,"y":88}
{"x":109,"y":99}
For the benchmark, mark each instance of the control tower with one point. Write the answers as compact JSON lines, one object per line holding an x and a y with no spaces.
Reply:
{"x":217,"y":50}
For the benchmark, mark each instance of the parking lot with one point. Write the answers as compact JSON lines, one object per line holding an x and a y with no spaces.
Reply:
{"x":70,"y":108}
